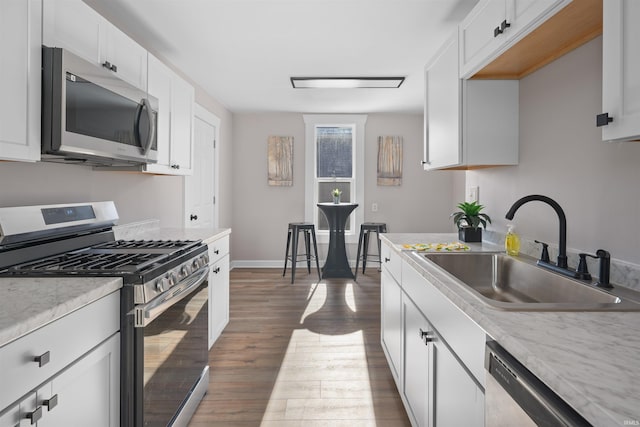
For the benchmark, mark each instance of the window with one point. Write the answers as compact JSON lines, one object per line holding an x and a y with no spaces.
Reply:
{"x":334,"y":159}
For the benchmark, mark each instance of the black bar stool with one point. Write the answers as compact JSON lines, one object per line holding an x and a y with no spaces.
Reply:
{"x":363,"y":243}
{"x":309,"y":231}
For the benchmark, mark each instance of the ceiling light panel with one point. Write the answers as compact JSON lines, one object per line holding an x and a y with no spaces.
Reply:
{"x":346,"y":82}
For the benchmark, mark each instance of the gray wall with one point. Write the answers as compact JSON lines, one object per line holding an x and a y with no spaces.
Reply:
{"x":260,"y":213}
{"x":562,"y":156}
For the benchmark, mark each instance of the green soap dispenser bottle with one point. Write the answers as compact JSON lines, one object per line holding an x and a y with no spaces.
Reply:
{"x":512,"y":242}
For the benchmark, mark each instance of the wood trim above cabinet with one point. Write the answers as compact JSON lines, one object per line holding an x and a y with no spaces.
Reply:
{"x":577,"y":23}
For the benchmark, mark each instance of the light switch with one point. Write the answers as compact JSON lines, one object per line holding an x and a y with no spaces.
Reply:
{"x":472,"y":194}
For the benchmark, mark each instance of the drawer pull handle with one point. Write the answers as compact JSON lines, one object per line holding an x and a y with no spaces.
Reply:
{"x":217,"y":251}
{"x":51,"y":403}
{"x":387,"y":259}
{"x":216,"y":270}
{"x":424,"y":336}
{"x":35,"y":415}
{"x":43,"y":359}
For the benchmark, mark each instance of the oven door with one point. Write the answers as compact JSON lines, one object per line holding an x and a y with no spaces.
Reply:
{"x":171,"y":354}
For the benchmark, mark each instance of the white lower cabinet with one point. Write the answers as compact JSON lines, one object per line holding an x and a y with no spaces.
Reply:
{"x":391,"y":318}
{"x":66,"y":373}
{"x":457,"y":400}
{"x":218,"y":288}
{"x":439,"y":354}
{"x":88,"y":392}
{"x":417,"y":335}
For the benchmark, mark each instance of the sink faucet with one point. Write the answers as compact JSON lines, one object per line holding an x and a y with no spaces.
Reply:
{"x":561,"y":266}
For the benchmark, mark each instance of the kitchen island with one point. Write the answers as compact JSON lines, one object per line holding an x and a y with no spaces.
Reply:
{"x":590,"y":359}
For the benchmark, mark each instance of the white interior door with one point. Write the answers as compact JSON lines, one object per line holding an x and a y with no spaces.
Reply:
{"x":201,"y":187}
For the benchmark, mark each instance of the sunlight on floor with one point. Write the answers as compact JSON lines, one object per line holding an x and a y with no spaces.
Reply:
{"x":323,"y":378}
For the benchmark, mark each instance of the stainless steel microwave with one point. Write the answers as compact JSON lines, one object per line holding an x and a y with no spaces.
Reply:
{"x":91,"y":116}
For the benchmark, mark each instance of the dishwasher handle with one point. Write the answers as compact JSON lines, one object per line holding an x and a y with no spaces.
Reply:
{"x":541,"y":403}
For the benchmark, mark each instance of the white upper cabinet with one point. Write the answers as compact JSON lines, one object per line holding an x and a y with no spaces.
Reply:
{"x":182,"y":98}
{"x":175,"y":120}
{"x":159,"y":80}
{"x":20,"y":75}
{"x":620,"y":117}
{"x":495,"y":25}
{"x":73,"y":25}
{"x":468,"y":123}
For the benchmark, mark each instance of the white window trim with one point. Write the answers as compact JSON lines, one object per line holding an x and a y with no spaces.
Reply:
{"x":311,"y":121}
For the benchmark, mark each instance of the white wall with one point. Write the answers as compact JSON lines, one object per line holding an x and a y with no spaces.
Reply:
{"x":562,"y":156}
{"x":261,"y":213}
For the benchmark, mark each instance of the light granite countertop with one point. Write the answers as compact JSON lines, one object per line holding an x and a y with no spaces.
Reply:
{"x":27,"y":304}
{"x":590,"y":359}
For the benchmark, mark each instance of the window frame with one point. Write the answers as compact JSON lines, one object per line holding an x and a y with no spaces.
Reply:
{"x":357,"y":122}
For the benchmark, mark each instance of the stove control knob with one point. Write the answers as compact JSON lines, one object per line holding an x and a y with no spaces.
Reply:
{"x":205,"y":257}
{"x":159,"y":285}
{"x":172,"y":279}
{"x":185,"y":270}
{"x":196,"y":264}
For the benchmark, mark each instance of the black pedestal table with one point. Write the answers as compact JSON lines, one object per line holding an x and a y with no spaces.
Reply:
{"x":337,"y":263}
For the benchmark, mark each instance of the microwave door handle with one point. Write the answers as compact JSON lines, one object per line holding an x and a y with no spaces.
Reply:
{"x":152,"y":126}
{"x":144,"y":105}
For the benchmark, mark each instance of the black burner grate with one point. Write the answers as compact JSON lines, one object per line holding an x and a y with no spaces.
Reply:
{"x":88,"y":262}
{"x":146,"y":244}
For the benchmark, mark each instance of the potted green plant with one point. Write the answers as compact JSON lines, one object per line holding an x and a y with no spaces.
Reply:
{"x":336,"y":192}
{"x":468,"y":220}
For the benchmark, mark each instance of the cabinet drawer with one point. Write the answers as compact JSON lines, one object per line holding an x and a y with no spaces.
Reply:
{"x":218,"y":249}
{"x":63,"y":341}
{"x":463,"y":335}
{"x":392,"y":262}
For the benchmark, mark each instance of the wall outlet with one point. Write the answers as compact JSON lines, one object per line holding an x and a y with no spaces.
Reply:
{"x":374,"y":207}
{"x":472,"y":194}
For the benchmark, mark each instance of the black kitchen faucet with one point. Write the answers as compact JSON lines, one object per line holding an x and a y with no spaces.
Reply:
{"x":561,"y":266}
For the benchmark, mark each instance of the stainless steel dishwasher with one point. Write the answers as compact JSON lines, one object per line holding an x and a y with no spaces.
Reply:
{"x":515,"y":397}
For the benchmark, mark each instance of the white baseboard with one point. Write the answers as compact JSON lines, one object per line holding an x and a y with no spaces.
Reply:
{"x":247,"y":263}
{"x":258,"y":264}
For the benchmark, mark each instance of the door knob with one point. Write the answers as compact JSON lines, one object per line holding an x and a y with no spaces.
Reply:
{"x":193,"y":217}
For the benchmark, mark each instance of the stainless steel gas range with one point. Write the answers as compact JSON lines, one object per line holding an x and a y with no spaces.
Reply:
{"x":164,"y":299}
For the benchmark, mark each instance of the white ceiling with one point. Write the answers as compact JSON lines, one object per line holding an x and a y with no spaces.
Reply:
{"x":242,"y":52}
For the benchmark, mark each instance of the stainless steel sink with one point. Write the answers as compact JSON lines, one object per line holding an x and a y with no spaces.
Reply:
{"x":509,"y":283}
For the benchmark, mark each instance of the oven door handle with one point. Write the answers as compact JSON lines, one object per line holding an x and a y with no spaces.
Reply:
{"x":145,"y":314}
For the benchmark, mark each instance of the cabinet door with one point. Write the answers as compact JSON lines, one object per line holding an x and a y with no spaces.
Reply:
{"x":457,"y":399}
{"x":159,"y":86}
{"x":72,"y":25}
{"x":20,"y":76}
{"x":88,"y":392}
{"x":391,"y":328}
{"x":128,"y":56}
{"x":22,"y":413}
{"x":443,"y":109}
{"x":182,"y":95}
{"x":621,"y":68}
{"x":416,"y":363}
{"x":218,"y":298}
{"x":478,"y":40}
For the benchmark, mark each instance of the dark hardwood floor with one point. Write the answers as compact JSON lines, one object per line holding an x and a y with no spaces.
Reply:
{"x":306,"y":354}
